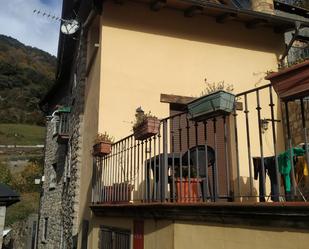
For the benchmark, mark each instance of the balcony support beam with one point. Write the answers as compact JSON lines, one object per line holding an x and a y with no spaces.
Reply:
{"x":157,"y":5}
{"x":193,"y":10}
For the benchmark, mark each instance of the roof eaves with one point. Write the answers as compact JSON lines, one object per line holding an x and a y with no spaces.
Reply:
{"x":260,"y":15}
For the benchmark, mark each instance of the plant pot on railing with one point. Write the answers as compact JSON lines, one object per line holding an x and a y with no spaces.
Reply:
{"x":212,"y":105}
{"x":102,"y":149}
{"x":149,"y":127}
{"x":102,"y":144}
{"x":292,"y":82}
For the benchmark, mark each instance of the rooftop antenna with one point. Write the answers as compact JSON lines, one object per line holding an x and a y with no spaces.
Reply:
{"x":68,"y":26}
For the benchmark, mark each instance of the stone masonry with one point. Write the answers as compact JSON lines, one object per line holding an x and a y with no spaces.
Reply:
{"x":70,"y":204}
{"x":52,"y":189}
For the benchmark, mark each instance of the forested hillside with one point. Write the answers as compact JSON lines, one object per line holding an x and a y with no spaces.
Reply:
{"x":26,"y":74}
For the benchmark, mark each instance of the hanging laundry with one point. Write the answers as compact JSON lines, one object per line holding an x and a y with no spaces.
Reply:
{"x":285,"y":165}
{"x":270,"y":169}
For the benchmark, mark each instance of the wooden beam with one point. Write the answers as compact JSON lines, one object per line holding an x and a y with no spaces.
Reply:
{"x":175,"y":99}
{"x":118,"y":1}
{"x":157,"y":5}
{"x":226,"y":17}
{"x":278,"y":30}
{"x":256,"y":23}
{"x":193,"y":10}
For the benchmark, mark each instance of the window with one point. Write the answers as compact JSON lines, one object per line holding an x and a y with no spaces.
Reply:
{"x":33,"y":234}
{"x":55,"y":124}
{"x":53,"y":177}
{"x":74,"y":80}
{"x":45,"y":230}
{"x":68,"y":161}
{"x":114,"y":238}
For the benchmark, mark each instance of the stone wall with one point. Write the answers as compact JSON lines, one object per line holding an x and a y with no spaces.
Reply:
{"x":52,"y":189}
{"x":2,"y":220}
{"x":70,"y":199}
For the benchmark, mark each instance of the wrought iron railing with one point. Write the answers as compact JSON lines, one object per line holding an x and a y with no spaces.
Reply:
{"x":227,"y":158}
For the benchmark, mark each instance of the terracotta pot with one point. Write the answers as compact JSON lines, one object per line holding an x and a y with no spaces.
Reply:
{"x":291,"y":83}
{"x":102,"y":149}
{"x":147,"y":129}
{"x":182,"y":190}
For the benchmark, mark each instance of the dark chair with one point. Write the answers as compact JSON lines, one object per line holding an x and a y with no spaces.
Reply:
{"x":198,"y":158}
{"x":198,"y":165}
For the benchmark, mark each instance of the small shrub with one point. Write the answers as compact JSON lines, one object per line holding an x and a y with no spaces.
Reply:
{"x":103,"y":137}
{"x":211,"y":87}
{"x":141,"y":116}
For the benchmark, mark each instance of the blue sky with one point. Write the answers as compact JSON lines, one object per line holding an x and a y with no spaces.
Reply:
{"x":18,"y":21}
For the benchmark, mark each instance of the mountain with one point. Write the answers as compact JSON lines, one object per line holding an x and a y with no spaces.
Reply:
{"x":26,"y":74}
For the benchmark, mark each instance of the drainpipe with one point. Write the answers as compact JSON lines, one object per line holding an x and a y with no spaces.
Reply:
{"x":266,"y":6}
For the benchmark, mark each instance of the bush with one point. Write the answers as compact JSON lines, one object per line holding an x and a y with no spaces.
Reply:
{"x":5,"y":174}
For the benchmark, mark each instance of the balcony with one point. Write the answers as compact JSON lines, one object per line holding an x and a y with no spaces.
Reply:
{"x":62,"y":126}
{"x":230,"y":158}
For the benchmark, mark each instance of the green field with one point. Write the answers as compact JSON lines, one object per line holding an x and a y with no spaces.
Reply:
{"x":21,"y":134}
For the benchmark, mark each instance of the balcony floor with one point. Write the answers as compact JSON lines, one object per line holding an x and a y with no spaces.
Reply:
{"x":293,"y":215}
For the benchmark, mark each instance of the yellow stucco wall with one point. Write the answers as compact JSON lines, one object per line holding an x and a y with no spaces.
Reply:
{"x":159,"y":234}
{"x":146,"y":53}
{"x":204,"y":236}
{"x":167,"y":234}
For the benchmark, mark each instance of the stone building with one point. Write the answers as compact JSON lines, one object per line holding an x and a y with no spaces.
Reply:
{"x":134,"y":53}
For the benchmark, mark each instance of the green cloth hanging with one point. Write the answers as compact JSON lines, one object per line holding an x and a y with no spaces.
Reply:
{"x":285,"y":164}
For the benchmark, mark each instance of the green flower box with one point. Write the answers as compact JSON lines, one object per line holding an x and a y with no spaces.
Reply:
{"x":212,"y":105}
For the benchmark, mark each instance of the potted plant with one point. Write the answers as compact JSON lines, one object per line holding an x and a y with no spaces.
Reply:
{"x":102,"y":144}
{"x":146,"y":125}
{"x":215,"y":100}
{"x":187,"y":191}
{"x":291,"y":82}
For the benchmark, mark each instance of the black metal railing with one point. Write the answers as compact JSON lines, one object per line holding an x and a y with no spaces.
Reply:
{"x":170,"y":166}
{"x":228,"y":158}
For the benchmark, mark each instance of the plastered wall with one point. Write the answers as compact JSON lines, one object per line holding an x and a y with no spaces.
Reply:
{"x":167,"y":234}
{"x":146,"y":53}
{"x":204,"y":236}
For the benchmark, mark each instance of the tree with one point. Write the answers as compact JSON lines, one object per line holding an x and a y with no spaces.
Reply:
{"x":5,"y":174}
{"x":24,"y":181}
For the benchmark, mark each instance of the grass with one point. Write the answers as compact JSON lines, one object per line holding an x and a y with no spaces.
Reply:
{"x":21,"y":134}
{"x":28,"y":204}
